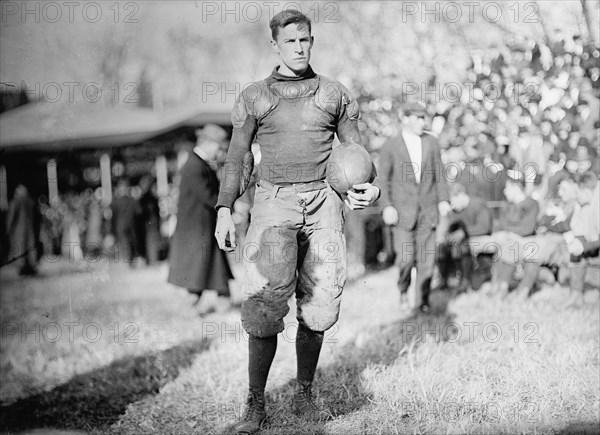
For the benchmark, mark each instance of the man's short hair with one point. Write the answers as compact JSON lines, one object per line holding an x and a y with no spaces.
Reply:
{"x":285,"y":17}
{"x":587,"y":180}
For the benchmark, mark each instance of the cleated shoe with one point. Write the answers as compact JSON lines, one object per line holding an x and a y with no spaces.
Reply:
{"x":254,"y":414}
{"x":303,"y":404}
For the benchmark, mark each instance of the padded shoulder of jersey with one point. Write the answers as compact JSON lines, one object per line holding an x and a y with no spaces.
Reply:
{"x":335,"y":98}
{"x":256,"y":100}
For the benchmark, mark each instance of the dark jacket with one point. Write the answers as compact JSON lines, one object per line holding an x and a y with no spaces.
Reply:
{"x":399,"y":187}
{"x":474,"y":220}
{"x":196,"y":262}
{"x":519,"y":218}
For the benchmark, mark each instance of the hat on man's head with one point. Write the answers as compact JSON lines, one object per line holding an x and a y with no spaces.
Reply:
{"x":416,"y":108}
{"x":211,"y":132}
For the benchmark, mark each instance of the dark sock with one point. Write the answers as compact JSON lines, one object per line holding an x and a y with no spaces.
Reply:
{"x":261,"y":354}
{"x":466,"y":266}
{"x":308,"y":348}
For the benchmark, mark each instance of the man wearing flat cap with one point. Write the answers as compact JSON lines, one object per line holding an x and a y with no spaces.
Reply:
{"x":414,"y":194}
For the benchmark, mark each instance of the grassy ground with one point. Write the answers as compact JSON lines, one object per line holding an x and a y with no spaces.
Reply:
{"x":476,"y":365}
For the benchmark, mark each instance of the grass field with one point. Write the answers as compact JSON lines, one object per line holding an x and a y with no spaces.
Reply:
{"x":100,"y":348}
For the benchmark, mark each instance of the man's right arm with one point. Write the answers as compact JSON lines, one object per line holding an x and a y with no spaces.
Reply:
{"x":244,"y":129}
{"x":241,"y":141}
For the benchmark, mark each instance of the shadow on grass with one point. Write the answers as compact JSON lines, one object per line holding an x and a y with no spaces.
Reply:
{"x":96,"y":399}
{"x":580,"y":428}
{"x":339,"y":385}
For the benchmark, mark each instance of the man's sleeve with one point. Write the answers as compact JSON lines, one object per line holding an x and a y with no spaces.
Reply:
{"x":528,"y":221}
{"x":441,"y":185}
{"x":244,"y":129}
{"x":386,"y":172}
{"x":347,"y":127}
{"x":589,"y":246}
{"x":483,"y":220}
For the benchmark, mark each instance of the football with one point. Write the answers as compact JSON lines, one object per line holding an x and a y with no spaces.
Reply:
{"x":349,"y":164}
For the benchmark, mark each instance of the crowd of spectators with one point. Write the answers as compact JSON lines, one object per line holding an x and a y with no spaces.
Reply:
{"x":525,"y":105}
{"x":79,"y":225}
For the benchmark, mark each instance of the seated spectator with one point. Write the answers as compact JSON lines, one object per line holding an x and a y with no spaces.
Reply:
{"x":470,"y":218}
{"x":583,"y":240}
{"x":517,"y":220}
{"x":556,"y":174}
{"x":548,"y":245}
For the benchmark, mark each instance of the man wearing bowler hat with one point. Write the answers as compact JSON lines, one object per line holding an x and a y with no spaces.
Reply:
{"x":414,"y":195}
{"x":295,"y":243}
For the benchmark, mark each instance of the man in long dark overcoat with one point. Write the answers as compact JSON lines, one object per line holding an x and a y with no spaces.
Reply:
{"x":196,"y":262}
{"x":21,"y":229}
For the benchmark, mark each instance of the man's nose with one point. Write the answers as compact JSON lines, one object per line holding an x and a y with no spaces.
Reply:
{"x":298,"y":46}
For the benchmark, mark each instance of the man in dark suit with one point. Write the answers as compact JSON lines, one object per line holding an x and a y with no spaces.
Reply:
{"x":196,"y":262}
{"x":414,"y":194}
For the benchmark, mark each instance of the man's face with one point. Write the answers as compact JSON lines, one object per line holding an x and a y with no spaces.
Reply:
{"x":211,"y":148}
{"x":293,"y":45}
{"x":567,"y":191}
{"x":414,"y":123}
{"x":459,"y":201}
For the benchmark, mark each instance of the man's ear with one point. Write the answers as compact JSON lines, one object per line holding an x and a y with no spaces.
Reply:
{"x":312,"y":41}
{"x":274,"y":46}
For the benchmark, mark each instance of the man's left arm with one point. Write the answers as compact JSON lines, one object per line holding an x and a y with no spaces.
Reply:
{"x":347,"y":129}
{"x":440,"y":183}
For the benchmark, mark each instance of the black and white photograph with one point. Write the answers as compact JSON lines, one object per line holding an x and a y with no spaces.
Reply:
{"x":299,"y":217}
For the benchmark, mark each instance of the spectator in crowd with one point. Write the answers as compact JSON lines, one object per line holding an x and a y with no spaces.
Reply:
{"x":72,"y":223}
{"x":414,"y":194}
{"x":555,"y":174}
{"x":548,"y":246}
{"x":583,"y":240}
{"x":470,"y":218}
{"x":517,"y":220}
{"x":93,"y":234}
{"x":22,"y":227}
{"x":150,"y":220}
{"x":196,"y":262}
{"x":125,"y":212}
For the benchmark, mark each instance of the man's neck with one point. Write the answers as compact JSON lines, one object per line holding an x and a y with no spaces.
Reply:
{"x":409,"y":132}
{"x":285,"y":71}
{"x":280,"y":74}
